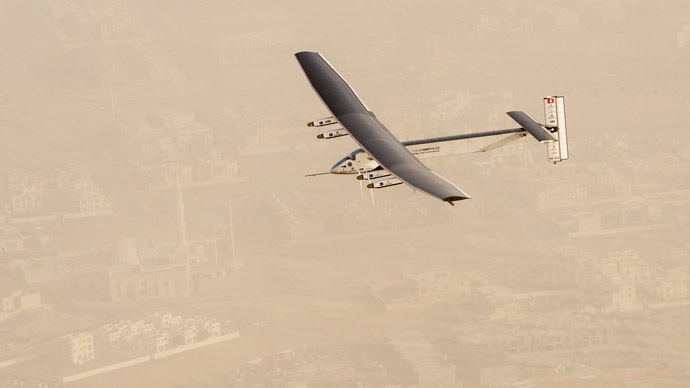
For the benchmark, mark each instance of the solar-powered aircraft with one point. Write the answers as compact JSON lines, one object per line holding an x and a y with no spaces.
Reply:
{"x":384,"y":161}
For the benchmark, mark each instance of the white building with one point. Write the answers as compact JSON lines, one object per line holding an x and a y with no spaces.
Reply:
{"x":622,"y":267}
{"x":109,"y":335}
{"x":674,"y":285}
{"x":625,"y":299}
{"x":562,"y":193}
{"x":421,"y":289}
{"x":18,"y":301}
{"x":152,"y":342}
{"x":212,"y":326}
{"x":158,"y":332}
{"x":76,"y":348}
{"x":90,"y":198}
{"x":125,"y":253}
{"x":185,"y":335}
{"x":671,"y":289}
{"x":11,"y":240}
{"x":26,"y":193}
{"x":162,"y":321}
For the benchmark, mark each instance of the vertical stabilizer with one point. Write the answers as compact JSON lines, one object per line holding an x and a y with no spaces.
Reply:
{"x":554,"y":118}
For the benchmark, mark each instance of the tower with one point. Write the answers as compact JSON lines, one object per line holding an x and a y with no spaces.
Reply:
{"x":181,"y":225}
{"x":182,"y":246}
{"x":232,"y":239}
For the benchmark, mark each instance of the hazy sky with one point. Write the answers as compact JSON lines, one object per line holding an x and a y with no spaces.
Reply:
{"x":83,"y":81}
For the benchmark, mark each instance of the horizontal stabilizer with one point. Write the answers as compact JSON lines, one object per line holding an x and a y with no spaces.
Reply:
{"x":537,"y":130}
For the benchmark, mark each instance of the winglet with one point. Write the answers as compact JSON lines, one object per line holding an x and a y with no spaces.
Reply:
{"x":455,"y":198}
{"x":532,"y":126}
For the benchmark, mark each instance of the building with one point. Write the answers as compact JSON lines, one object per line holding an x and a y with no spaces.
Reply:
{"x":156,"y":333}
{"x":515,"y":154}
{"x":624,"y":298}
{"x":421,"y":289}
{"x":265,"y":141}
{"x":203,"y":328}
{"x":152,"y":342}
{"x":11,"y":240}
{"x":109,"y":335}
{"x":40,"y":270}
{"x":621,"y":267}
{"x":158,"y":271}
{"x":166,"y":275}
{"x":90,"y":199}
{"x":439,"y":285}
{"x":683,"y":36}
{"x":72,"y":172}
{"x":76,"y":348}
{"x":103,"y":19}
{"x":212,"y":327}
{"x":125,"y":253}
{"x":562,"y":193}
{"x":177,"y":147}
{"x":534,"y":334}
{"x":160,"y":66}
{"x":86,"y":198}
{"x":193,"y":173}
{"x":672,"y":289}
{"x":588,"y":222}
{"x":428,"y":367}
{"x":124,"y":333}
{"x":70,"y":192}
{"x":26,"y":193}
{"x":508,"y":311}
{"x":183,"y":335}
{"x":190,"y":136}
{"x":161,"y":321}
{"x":135,"y":283}
{"x":18,"y":301}
{"x":674,"y":285}
{"x":172,"y":138}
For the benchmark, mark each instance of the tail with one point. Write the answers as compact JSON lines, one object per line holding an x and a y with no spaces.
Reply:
{"x":554,"y":114}
{"x":553,"y":133}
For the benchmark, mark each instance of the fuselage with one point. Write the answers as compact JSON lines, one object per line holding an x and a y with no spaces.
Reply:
{"x":358,"y":161}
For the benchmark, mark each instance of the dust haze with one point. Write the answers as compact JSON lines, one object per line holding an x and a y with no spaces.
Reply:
{"x":157,"y":228}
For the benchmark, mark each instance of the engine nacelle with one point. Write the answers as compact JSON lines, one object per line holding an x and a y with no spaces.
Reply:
{"x":385,"y":182}
{"x":332,"y":134}
{"x":373,"y":175}
{"x":322,"y":122}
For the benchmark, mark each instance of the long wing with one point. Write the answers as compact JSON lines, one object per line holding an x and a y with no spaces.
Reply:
{"x":368,"y":131}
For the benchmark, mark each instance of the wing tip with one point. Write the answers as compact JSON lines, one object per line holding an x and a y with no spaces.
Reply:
{"x":453,"y":198}
{"x":302,"y":53}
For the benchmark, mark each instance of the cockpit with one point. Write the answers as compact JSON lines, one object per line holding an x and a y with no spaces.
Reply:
{"x":356,"y":162}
